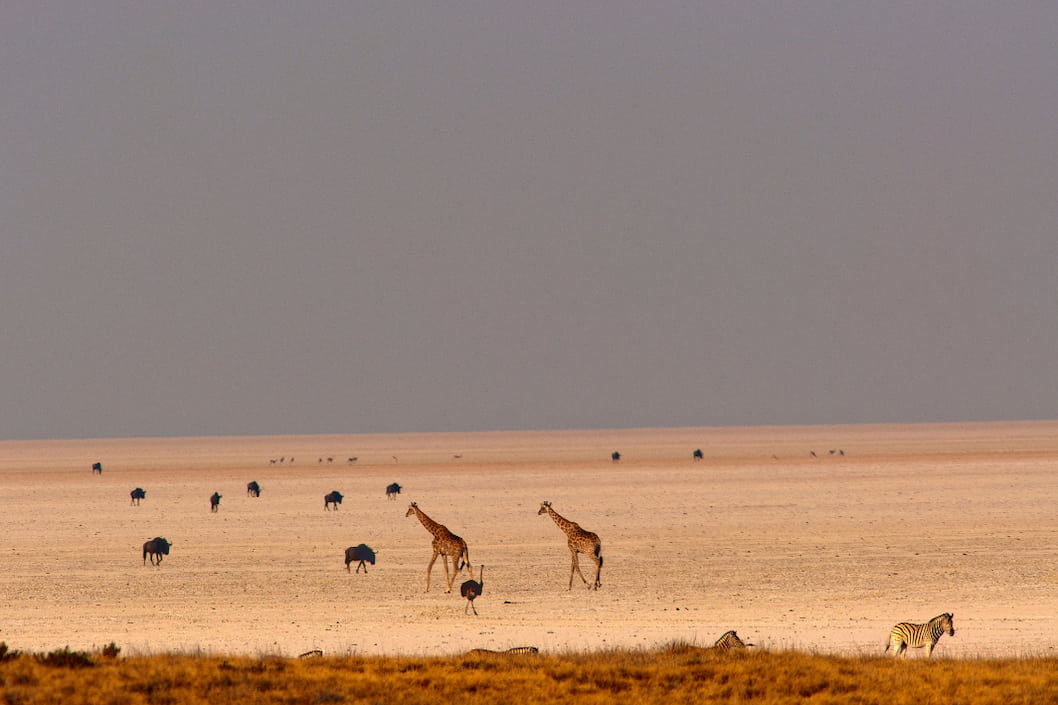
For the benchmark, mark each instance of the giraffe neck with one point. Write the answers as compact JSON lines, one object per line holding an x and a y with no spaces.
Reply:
{"x":565,"y":524}
{"x":432,"y":526}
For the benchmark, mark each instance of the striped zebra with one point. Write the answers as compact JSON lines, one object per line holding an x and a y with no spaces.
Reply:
{"x":515,"y":651}
{"x":905,"y":634}
{"x":730,"y":640}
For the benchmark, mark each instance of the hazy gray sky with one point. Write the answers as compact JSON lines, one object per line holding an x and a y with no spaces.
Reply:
{"x":273,"y":217}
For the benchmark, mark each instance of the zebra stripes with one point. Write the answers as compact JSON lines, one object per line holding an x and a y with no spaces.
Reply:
{"x":730,"y":640}
{"x":514,"y":651}
{"x":916,"y":636}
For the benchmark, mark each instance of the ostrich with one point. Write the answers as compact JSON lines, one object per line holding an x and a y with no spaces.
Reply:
{"x":214,"y":501}
{"x":472,"y":588}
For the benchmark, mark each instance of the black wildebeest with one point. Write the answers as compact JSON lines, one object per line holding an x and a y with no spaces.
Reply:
{"x":615,"y":456}
{"x":360,"y":553}
{"x":138,"y":494}
{"x":156,"y":548}
{"x":97,"y":468}
{"x":330,"y":498}
{"x":698,"y":454}
{"x":253,"y":489}
{"x":392,"y":490}
{"x":214,"y":501}
{"x":472,"y":588}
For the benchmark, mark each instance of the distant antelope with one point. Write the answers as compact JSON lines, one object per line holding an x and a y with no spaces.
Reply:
{"x":214,"y":501}
{"x":138,"y":494}
{"x":332,"y":499}
{"x":97,"y":468}
{"x":253,"y":489}
{"x":615,"y":457}
{"x":698,"y":455}
{"x":392,"y":490}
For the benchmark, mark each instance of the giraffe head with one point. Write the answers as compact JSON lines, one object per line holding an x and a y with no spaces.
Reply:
{"x":543,"y":508}
{"x":411,"y":509}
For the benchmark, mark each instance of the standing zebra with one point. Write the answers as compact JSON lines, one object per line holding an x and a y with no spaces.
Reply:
{"x":906,"y":634}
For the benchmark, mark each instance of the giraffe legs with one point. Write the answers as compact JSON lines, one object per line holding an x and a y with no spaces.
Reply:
{"x":448,"y":579}
{"x":430,"y":567}
{"x":575,"y":567}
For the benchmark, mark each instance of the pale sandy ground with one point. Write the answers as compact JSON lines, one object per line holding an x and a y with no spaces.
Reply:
{"x":822,"y":554}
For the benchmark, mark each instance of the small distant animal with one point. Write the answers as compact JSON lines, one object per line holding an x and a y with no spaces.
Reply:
{"x":214,"y":501}
{"x":353,"y":459}
{"x":359,"y":553}
{"x":392,"y":490}
{"x":253,"y":489}
{"x":615,"y":457}
{"x":698,"y":454}
{"x":470,"y":589}
{"x":730,"y":640}
{"x":97,"y":468}
{"x":138,"y":494}
{"x":916,"y":636}
{"x":315,"y":653}
{"x":156,"y":548}
{"x":330,"y":498}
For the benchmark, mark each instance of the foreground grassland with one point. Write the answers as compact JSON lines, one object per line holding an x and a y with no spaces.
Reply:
{"x":680,"y":674}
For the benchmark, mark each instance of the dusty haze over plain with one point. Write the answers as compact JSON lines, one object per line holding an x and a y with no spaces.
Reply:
{"x":276,"y":218}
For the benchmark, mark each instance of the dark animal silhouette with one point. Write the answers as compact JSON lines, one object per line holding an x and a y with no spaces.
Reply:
{"x":214,"y":501}
{"x":472,"y":588}
{"x":360,"y":553}
{"x":253,"y":489}
{"x":392,"y":490}
{"x":97,"y":468}
{"x":698,"y":454}
{"x":156,"y":548}
{"x":353,"y":459}
{"x":615,"y":456}
{"x":138,"y":494}
{"x":334,"y":498}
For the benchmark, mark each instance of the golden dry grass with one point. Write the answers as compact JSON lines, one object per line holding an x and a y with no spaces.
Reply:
{"x":674,"y":674}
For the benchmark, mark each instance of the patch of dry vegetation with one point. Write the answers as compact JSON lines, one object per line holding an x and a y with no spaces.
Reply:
{"x":678,"y":674}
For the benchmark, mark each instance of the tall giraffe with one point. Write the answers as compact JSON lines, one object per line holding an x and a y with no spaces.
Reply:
{"x":445,"y":544}
{"x":580,"y":541}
